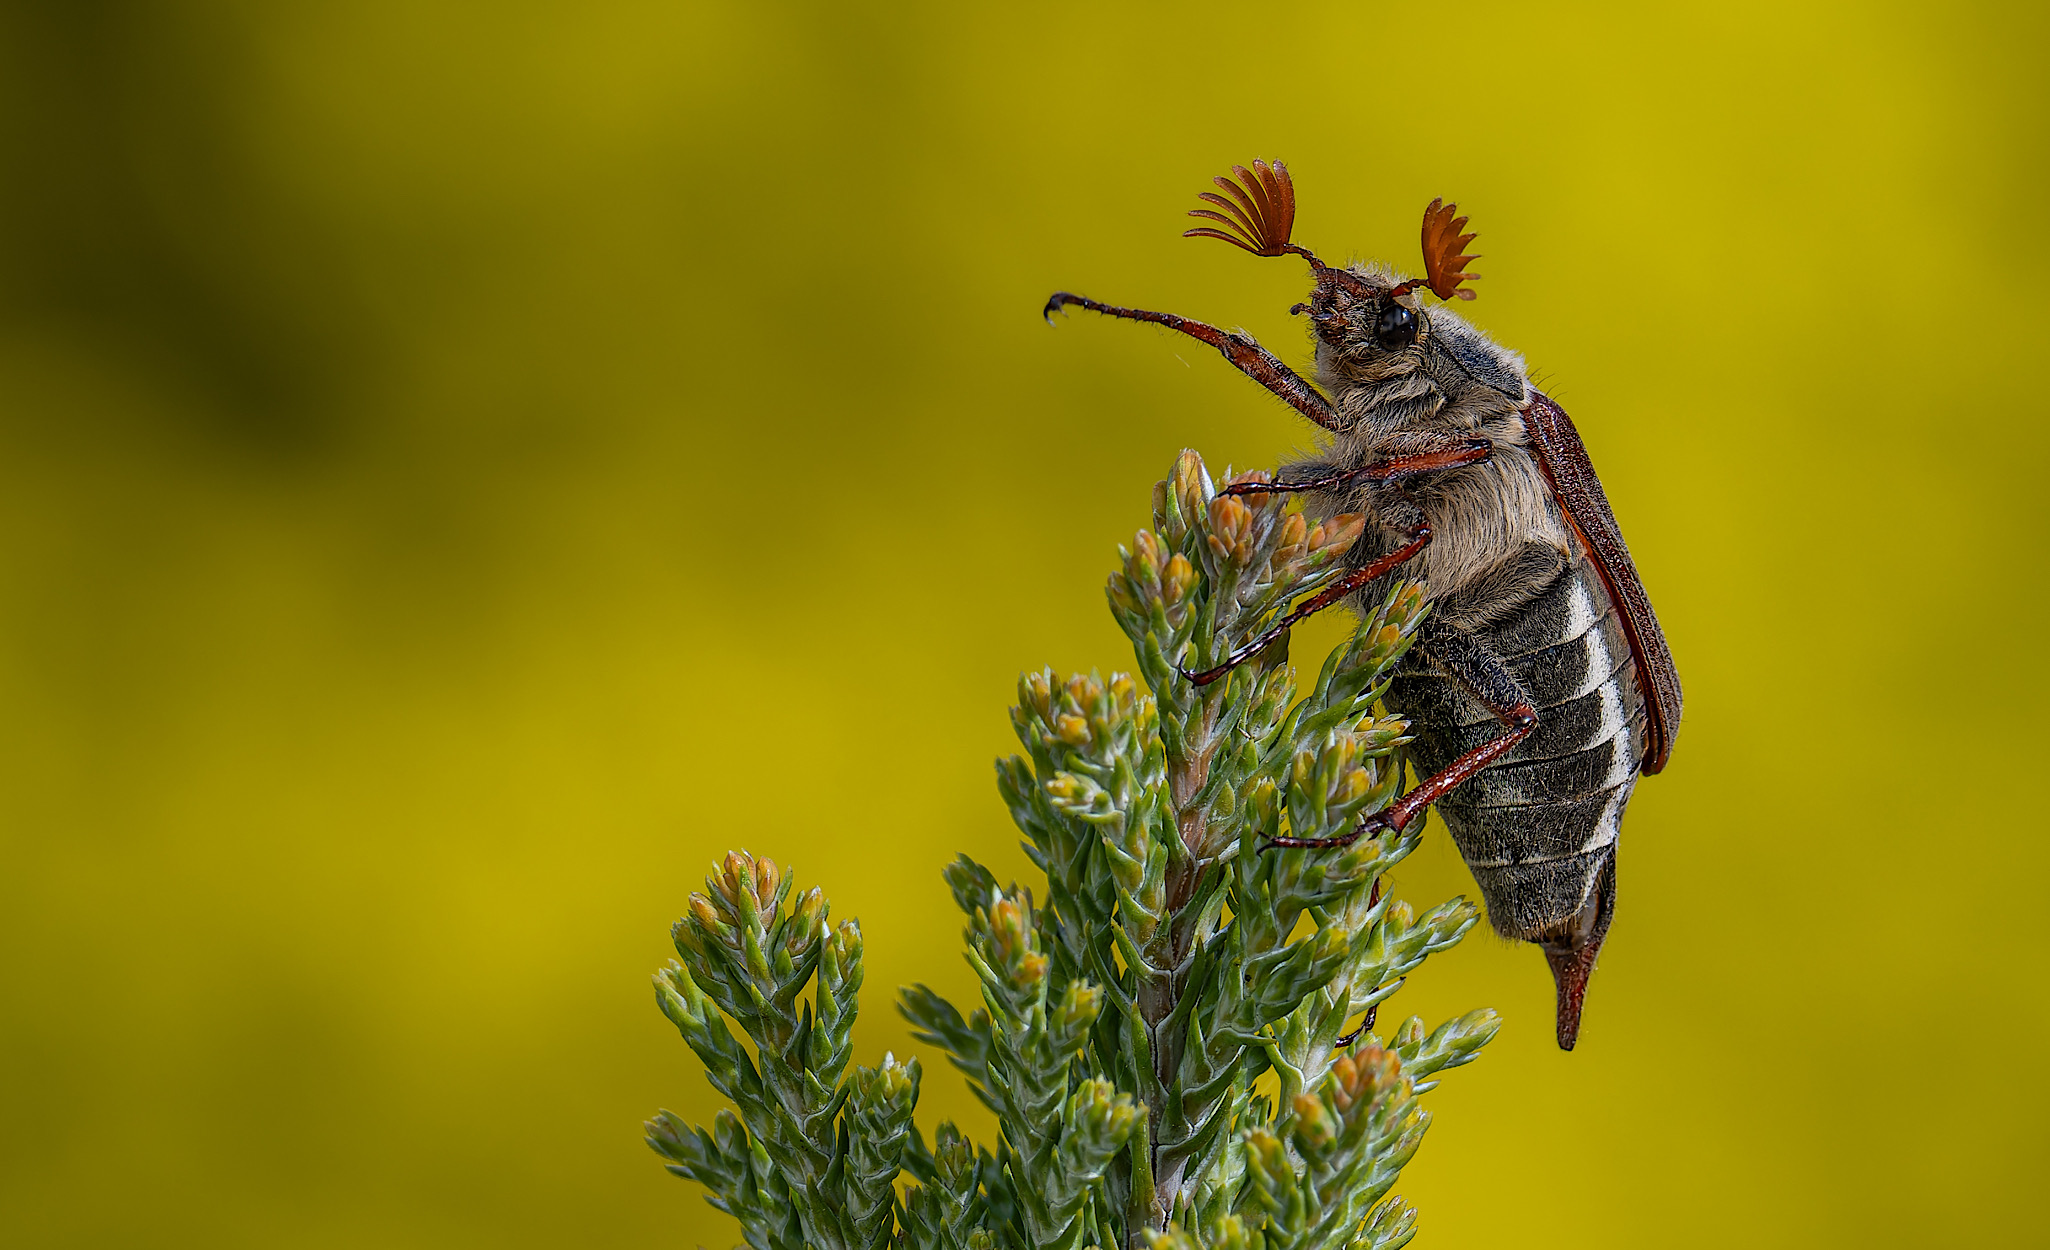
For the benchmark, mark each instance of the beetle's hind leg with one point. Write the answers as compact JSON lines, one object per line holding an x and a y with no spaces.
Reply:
{"x":1467,"y":661}
{"x":1462,"y":657}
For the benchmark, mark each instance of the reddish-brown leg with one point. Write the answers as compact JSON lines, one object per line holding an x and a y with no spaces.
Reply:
{"x":1248,"y":357}
{"x":1397,"y":512}
{"x":1347,"y":1039}
{"x":1457,"y":455}
{"x":1351,"y":582}
{"x":1468,"y":663}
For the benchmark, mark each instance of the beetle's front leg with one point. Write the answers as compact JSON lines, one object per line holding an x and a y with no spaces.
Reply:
{"x":1248,"y":357}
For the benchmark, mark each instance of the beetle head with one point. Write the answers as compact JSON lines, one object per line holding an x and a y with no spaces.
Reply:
{"x":1362,"y":315}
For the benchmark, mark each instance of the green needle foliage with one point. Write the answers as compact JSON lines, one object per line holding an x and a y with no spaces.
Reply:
{"x":1164,"y":1040}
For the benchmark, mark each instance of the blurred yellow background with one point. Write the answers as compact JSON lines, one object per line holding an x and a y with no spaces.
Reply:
{"x":463,"y":467}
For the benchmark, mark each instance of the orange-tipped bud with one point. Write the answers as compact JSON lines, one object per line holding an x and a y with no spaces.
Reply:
{"x":1337,"y":534}
{"x":1177,"y":580}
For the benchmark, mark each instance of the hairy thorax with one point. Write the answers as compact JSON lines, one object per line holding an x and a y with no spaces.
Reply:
{"x":1497,"y":536}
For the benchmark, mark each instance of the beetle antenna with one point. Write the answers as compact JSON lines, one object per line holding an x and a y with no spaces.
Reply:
{"x":1258,"y":217}
{"x":1444,"y":266}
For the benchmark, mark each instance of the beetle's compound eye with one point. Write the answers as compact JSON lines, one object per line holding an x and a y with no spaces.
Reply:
{"x":1397,"y":327}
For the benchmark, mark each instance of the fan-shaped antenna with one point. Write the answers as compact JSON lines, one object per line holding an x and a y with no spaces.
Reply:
{"x":1444,"y":266}
{"x":1258,"y":216}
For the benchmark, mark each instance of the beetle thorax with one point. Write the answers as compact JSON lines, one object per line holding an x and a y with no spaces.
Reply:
{"x":1396,"y":398}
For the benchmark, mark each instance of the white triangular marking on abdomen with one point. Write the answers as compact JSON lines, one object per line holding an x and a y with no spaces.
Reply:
{"x":1599,"y":668}
{"x":1623,"y":759}
{"x":1606,"y":828}
{"x":1580,"y":608}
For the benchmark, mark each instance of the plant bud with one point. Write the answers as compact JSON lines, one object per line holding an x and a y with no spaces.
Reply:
{"x":889,"y":1082}
{"x":1079,"y":1005}
{"x":1191,"y":492}
{"x":805,"y":915}
{"x":1035,"y":693}
{"x":1231,"y":530}
{"x":1119,"y":588}
{"x":1338,"y":534}
{"x":1350,"y":786}
{"x":1357,"y":1079}
{"x":846,"y":943}
{"x":1294,"y":539}
{"x":1077,"y":795}
{"x":953,"y":1157}
{"x":708,"y":917}
{"x":1314,"y":1130}
{"x":734,"y":882}
{"x":1178,"y":580}
{"x":1146,"y":551}
{"x":1013,"y":942}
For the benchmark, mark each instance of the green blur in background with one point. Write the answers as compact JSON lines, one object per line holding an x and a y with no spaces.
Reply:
{"x":462,"y":468}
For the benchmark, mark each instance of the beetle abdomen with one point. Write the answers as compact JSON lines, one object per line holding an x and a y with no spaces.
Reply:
{"x":1538,"y":827}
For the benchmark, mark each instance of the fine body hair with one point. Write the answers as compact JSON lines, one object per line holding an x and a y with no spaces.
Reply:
{"x":1497,"y":535}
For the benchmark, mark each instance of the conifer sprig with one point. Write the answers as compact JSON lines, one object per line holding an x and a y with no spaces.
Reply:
{"x":1164,"y":1038}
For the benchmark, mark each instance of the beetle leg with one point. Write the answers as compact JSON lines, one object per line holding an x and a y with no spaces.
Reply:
{"x":1419,"y":538}
{"x":1466,"y":661}
{"x":1366,"y":1022}
{"x":1456,"y":454}
{"x":1248,"y":357}
{"x":1397,"y":512}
